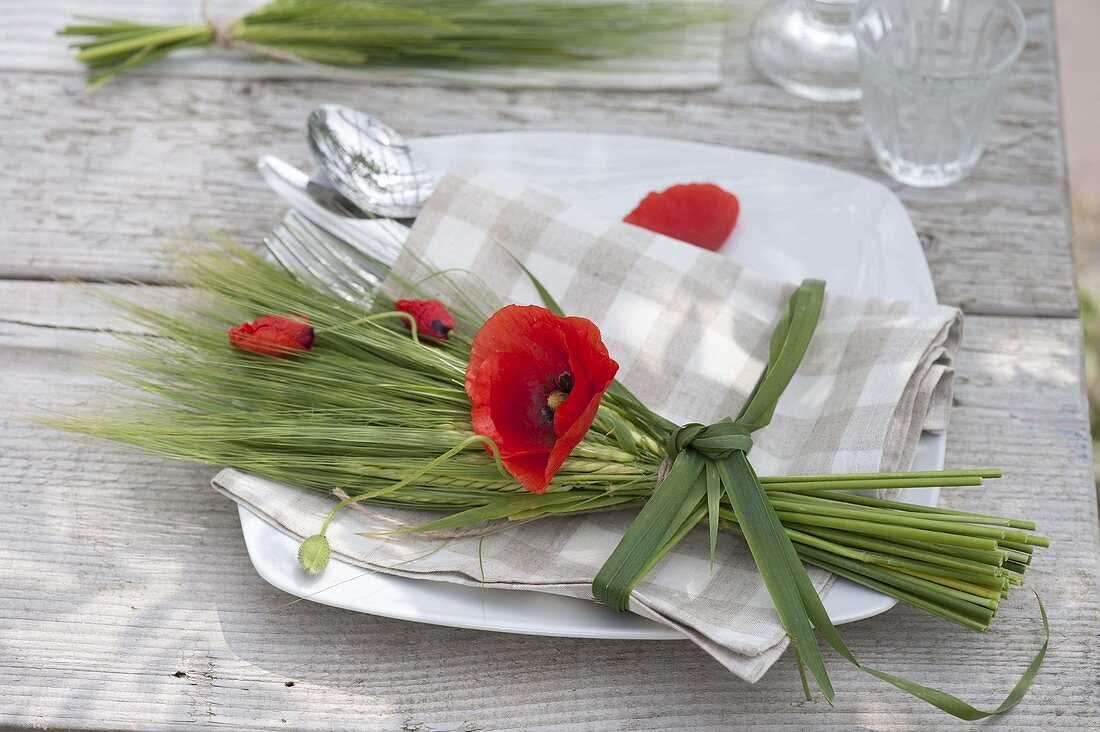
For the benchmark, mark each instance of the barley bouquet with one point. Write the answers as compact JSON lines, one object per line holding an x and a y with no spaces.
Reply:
{"x":514,"y":416}
{"x":413,"y":34}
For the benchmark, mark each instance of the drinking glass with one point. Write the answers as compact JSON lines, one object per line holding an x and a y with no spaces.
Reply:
{"x":931,"y":73}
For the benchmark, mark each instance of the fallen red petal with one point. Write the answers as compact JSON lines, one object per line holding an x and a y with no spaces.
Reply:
{"x":698,"y":213}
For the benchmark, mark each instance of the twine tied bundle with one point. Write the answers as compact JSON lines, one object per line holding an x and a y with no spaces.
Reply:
{"x":345,"y":38}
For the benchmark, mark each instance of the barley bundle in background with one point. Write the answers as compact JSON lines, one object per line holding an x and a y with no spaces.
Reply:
{"x":416,"y":34}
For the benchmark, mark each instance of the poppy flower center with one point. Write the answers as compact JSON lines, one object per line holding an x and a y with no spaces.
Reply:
{"x":557,"y":393}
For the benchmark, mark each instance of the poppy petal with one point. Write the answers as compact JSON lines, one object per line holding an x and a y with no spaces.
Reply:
{"x":592,"y":369}
{"x":529,"y":470}
{"x":698,"y":213}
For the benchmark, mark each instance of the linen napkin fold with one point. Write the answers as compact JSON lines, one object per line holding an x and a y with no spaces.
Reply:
{"x":690,"y":331}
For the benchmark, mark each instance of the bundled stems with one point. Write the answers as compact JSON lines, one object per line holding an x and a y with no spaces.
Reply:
{"x":873,"y":547}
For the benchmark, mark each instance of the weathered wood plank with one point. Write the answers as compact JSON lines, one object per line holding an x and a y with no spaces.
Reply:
{"x":94,"y":185}
{"x":128,"y":601}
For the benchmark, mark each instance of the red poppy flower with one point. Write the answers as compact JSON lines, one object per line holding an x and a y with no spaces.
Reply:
{"x":272,"y":335}
{"x":535,"y":381}
{"x":698,"y":213}
{"x":432,"y":319}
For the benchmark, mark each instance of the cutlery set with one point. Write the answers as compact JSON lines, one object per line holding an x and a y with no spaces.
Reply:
{"x":349,"y":220}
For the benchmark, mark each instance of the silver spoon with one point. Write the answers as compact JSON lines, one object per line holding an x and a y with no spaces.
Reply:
{"x":368,"y":162}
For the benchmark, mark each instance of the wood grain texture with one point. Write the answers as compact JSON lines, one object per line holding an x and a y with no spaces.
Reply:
{"x":128,"y":600}
{"x":95,"y":184}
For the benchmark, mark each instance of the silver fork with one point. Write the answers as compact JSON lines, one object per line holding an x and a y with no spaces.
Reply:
{"x":329,"y":263}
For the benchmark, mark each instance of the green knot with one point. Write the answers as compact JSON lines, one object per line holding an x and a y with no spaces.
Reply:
{"x":707,"y":465}
{"x":716,"y":441}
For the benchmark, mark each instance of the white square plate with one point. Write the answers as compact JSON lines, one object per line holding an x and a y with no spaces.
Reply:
{"x":797,"y":220}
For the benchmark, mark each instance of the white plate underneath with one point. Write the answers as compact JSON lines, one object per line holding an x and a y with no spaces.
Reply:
{"x":797,"y":220}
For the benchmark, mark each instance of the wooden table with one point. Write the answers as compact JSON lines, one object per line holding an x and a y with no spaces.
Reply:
{"x":126,"y":596}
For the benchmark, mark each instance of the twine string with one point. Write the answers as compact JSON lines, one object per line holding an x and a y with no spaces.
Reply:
{"x":223,"y":38}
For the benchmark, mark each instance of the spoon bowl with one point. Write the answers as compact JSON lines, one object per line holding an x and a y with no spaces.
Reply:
{"x":368,"y":162}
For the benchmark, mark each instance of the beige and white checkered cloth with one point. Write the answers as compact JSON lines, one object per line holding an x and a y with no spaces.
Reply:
{"x":690,"y":331}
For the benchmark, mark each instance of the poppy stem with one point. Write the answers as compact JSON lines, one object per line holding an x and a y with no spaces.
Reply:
{"x":389,"y":315}
{"x":471,"y":440}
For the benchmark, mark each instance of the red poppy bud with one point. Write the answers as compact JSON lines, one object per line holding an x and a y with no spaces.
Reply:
{"x":272,"y":335}
{"x":535,"y":381}
{"x":698,"y":213}
{"x":432,"y":319}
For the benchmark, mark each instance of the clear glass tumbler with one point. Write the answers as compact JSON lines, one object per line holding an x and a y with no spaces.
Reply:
{"x":931,"y":73}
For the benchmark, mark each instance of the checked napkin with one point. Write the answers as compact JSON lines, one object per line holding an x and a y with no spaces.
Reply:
{"x":690,"y":331}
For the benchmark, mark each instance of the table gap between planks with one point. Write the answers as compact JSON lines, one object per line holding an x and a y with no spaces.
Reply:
{"x":126,"y":597}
